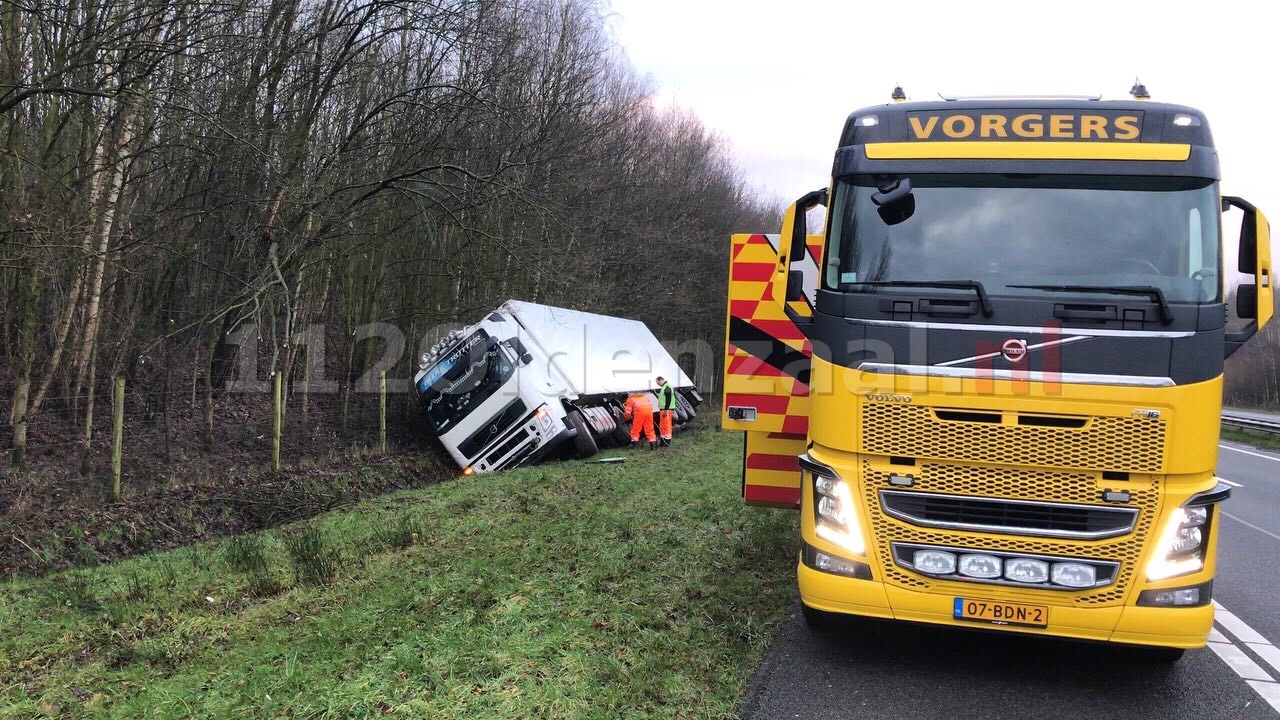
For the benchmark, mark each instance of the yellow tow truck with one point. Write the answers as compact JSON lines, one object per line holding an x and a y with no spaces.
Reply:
{"x":991,"y":379}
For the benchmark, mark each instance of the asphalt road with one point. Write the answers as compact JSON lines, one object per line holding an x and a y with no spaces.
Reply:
{"x":868,"y":669}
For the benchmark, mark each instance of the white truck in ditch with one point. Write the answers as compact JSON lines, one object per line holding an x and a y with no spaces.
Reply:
{"x":532,"y":381}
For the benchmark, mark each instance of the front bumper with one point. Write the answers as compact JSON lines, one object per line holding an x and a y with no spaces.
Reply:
{"x":1178,"y":627}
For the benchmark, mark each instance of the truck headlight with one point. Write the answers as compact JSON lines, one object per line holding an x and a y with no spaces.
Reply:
{"x":835,"y":517}
{"x":1194,"y":596}
{"x":1074,"y":575}
{"x":1181,"y":547}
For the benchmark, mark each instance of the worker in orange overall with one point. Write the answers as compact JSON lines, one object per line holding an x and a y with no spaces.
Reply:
{"x":640,"y":412}
{"x":666,"y":410}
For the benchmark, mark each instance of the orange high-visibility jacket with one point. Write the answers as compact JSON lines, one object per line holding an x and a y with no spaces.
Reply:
{"x":636,"y":403}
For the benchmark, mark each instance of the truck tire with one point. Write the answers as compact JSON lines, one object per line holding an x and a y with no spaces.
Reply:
{"x":688,"y":406}
{"x":585,"y":442}
{"x":622,"y":433}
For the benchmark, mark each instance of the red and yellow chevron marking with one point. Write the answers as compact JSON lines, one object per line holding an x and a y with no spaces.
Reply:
{"x":781,"y":402}
{"x":760,"y":372}
{"x":770,"y":474}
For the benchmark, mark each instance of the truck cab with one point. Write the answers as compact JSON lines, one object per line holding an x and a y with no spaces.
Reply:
{"x":486,"y":398}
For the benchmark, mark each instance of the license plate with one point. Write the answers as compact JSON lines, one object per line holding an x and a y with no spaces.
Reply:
{"x":1001,"y":613}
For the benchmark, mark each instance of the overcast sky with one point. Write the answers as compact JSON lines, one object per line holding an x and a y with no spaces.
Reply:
{"x":778,"y":79}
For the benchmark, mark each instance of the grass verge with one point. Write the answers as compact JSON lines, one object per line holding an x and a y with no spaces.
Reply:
{"x":1268,"y":441}
{"x":641,"y":589}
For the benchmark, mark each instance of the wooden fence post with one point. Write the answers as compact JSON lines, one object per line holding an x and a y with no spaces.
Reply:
{"x":117,"y":436}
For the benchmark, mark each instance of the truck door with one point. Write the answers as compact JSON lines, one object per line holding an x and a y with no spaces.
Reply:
{"x":766,"y":380}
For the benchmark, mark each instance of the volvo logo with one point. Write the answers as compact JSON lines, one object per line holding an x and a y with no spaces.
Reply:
{"x":1014,"y":350}
{"x":887,"y":397}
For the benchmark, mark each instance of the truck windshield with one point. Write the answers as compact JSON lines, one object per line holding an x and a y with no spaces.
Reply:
{"x":1009,"y":230}
{"x":462,"y":379}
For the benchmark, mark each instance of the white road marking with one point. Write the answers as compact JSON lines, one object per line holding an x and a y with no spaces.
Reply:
{"x":1268,"y":652}
{"x":1236,"y":626}
{"x":1247,"y":452}
{"x":1230,"y":482}
{"x":1269,"y":692}
{"x":1264,"y":531}
{"x":1239,"y":661}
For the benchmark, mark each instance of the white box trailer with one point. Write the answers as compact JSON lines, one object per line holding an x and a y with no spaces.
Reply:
{"x":531,"y":381}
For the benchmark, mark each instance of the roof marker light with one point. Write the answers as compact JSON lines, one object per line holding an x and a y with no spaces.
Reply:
{"x":868,"y":121}
{"x":1183,"y":120}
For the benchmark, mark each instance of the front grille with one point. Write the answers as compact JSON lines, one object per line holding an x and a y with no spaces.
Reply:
{"x":519,"y":456}
{"x":509,"y":416}
{"x":1009,"y":483}
{"x":1015,"y":517}
{"x":507,"y":446}
{"x":1124,"y":444}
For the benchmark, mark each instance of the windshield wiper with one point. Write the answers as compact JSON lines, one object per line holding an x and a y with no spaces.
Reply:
{"x":1151,"y":291}
{"x":973,"y":285}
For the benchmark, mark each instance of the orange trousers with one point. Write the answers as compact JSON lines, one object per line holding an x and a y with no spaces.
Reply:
{"x":642,"y":420}
{"x":664,"y":423}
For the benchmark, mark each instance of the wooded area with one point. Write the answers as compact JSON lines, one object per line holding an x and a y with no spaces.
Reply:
{"x":175,"y":171}
{"x":181,"y":180}
{"x":1252,"y":375}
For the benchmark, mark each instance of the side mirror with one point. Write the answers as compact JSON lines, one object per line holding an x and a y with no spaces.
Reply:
{"x":799,"y":226}
{"x":795,"y":286}
{"x":793,"y":248}
{"x":1247,"y":301}
{"x":1254,"y":301}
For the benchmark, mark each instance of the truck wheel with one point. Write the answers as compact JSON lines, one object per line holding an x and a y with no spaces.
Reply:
{"x":585,"y":442}
{"x":689,"y":412}
{"x":622,"y":433}
{"x":682,"y":417}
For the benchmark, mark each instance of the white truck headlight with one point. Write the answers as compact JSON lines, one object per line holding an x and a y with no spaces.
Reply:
{"x":1074,"y":575}
{"x":544,"y":418}
{"x":984,"y":567}
{"x":934,"y":562}
{"x":1180,"y":550}
{"x":1026,"y":570}
{"x":836,"y":518}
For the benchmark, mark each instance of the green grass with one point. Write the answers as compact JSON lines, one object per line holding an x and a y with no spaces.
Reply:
{"x":1255,"y":438}
{"x":644,"y":589}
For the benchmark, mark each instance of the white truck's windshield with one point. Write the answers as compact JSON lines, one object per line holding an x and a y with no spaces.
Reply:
{"x":462,"y":379}
{"x":1008,"y":230}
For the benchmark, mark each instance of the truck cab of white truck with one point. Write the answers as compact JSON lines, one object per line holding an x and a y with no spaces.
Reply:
{"x":484,"y":385}
{"x":528,"y":380}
